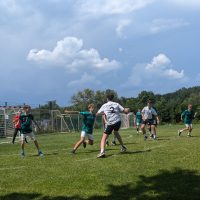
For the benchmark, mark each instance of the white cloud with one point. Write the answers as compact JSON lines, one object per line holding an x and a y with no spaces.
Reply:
{"x":85,"y":79}
{"x":161,"y":65}
{"x":161,"y":25}
{"x":159,"y":70}
{"x":105,"y":7}
{"x":121,"y":25}
{"x":188,"y":4}
{"x":160,"y":61}
{"x":69,"y":53}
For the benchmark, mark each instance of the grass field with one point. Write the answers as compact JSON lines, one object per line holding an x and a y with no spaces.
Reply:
{"x":168,"y":168}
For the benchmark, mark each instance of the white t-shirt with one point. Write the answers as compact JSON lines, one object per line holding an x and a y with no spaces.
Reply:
{"x":112,"y":111}
{"x":148,"y":112}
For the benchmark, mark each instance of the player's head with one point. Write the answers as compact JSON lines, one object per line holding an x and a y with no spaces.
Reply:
{"x":189,"y":106}
{"x":26,"y":108}
{"x":91,"y":107}
{"x":110,"y":96}
{"x":150,"y":102}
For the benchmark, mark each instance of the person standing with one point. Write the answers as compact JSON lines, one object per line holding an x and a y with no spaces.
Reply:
{"x":187,"y":116}
{"x":26,"y":119}
{"x":138,"y":120}
{"x":112,"y":111}
{"x":148,"y":114}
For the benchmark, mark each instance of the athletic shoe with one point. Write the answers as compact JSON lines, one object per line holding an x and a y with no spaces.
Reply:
{"x":40,"y":154}
{"x":189,"y":135}
{"x":145,"y":137}
{"x":84,"y":144}
{"x":123,"y":149}
{"x":179,"y":133}
{"x":113,"y":143}
{"x":101,"y":155}
{"x":22,"y":154}
{"x":26,"y":140}
{"x":107,"y":143}
{"x":72,"y":151}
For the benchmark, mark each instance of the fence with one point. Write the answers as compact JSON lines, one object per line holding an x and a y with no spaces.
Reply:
{"x":51,"y":121}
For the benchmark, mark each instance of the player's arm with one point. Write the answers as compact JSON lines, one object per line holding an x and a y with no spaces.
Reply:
{"x":126,"y":110}
{"x":36,"y":124}
{"x":71,"y":112}
{"x":195,"y":114}
{"x":182,"y":115}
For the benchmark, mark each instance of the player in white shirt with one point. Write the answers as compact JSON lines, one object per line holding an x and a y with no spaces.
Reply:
{"x":112,"y":111}
{"x":150,"y":118}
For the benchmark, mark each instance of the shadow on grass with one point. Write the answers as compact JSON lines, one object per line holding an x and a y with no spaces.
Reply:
{"x":177,"y":184}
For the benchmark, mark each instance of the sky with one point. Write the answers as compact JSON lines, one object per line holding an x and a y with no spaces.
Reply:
{"x":52,"y":49}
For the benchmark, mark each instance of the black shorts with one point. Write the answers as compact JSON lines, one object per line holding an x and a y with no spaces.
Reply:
{"x":149,"y":122}
{"x":109,"y":128}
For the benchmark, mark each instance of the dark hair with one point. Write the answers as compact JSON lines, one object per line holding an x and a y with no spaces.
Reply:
{"x":150,"y":101}
{"x":110,"y":96}
{"x":26,"y":106}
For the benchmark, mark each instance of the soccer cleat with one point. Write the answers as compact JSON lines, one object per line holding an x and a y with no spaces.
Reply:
{"x":84,"y":144}
{"x":123,"y":149}
{"x":145,"y":137}
{"x":22,"y":154}
{"x":179,"y":133}
{"x":189,"y":135}
{"x":72,"y":151}
{"x":113,"y":143}
{"x":40,"y":154}
{"x":101,"y":155}
{"x":26,"y":140}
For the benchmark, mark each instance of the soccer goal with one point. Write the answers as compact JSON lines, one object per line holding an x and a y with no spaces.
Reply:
{"x":126,"y":120}
{"x":64,"y":122}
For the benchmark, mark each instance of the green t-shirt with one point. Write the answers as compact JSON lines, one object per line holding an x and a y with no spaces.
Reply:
{"x":187,"y":116}
{"x":138,"y":117}
{"x":88,"y":121}
{"x":26,"y":123}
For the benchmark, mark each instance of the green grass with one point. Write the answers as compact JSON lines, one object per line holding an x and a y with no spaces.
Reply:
{"x":168,"y":168}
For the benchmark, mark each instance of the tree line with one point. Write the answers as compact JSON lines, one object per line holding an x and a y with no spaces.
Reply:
{"x":169,"y":106}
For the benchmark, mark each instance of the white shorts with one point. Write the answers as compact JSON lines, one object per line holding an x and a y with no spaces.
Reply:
{"x":31,"y":135}
{"x":188,"y":125}
{"x":89,"y":136}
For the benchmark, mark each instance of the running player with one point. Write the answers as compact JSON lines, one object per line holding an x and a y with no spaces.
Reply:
{"x":138,"y":120}
{"x":148,"y":114}
{"x":87,"y":127}
{"x":26,"y":119}
{"x":112,"y":111}
{"x":187,"y":116}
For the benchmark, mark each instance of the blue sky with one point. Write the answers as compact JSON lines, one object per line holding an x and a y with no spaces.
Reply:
{"x":53,"y":48}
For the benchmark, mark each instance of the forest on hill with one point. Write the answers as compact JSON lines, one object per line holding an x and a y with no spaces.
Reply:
{"x":169,"y":106}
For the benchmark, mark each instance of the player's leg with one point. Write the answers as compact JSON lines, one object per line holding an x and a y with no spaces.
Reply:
{"x":190,"y":130}
{"x":144,"y":130}
{"x":90,"y":140}
{"x":184,"y":129}
{"x":14,"y":135}
{"x":153,"y":131}
{"x":119,"y":138}
{"x":22,"y":138}
{"x":102,"y":145}
{"x":114,"y":140}
{"x":32,"y":136}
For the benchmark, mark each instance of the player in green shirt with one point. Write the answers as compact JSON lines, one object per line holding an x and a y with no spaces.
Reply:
{"x":187,"y":116}
{"x":138,"y":120}
{"x":87,"y":127}
{"x":26,"y":119}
